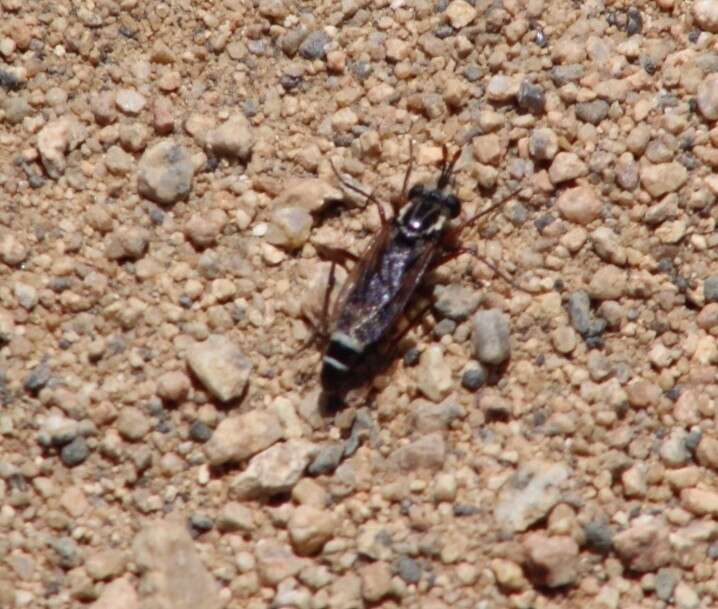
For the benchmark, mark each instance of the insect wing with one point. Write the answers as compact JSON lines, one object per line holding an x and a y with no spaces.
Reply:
{"x":358,"y":280}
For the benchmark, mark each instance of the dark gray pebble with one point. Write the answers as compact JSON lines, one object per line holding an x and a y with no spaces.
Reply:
{"x":710,"y":289}
{"x":531,"y":98}
{"x":579,"y":310}
{"x":201,"y":522}
{"x":327,"y":459}
{"x":599,"y":537}
{"x":38,"y":377}
{"x":473,"y":378}
{"x":444,"y":328}
{"x":68,"y":553}
{"x":592,"y":112}
{"x":408,"y":569}
{"x":75,"y":452}
{"x":314,"y":45}
{"x":200,"y":432}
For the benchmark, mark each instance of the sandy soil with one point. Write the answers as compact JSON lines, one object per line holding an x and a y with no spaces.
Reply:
{"x":547,"y":441}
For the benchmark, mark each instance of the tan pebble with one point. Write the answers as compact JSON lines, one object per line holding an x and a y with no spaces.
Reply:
{"x":564,"y":339}
{"x":644,"y":546}
{"x":290,"y":227}
{"x":239,"y":437}
{"x":707,"y":452}
{"x":130,"y":101}
{"x":220,"y":366}
{"x":608,"y":283}
{"x":580,"y":205}
{"x":663,"y":178}
{"x":642,"y":394}
{"x":566,"y":166}
{"x":310,"y":528}
{"x":705,"y":13}
{"x":488,"y":149}
{"x":552,"y":560}
{"x":309,"y":492}
{"x":700,"y":502}
{"x":508,"y":575}
{"x":460,"y":13}
{"x":173,"y":386}
{"x":502,"y":88}
{"x":435,"y":379}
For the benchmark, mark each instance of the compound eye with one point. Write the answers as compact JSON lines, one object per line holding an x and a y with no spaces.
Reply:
{"x":416,"y":191}
{"x":453,"y":205}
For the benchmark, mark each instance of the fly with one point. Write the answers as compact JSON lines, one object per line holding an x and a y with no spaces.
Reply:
{"x":383,"y":282}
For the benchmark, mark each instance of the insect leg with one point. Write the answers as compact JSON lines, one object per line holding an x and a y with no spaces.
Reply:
{"x":368,"y":196}
{"x":407,"y":175}
{"x":335,"y":254}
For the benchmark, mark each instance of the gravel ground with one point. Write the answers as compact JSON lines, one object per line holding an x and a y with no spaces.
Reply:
{"x":165,"y":186}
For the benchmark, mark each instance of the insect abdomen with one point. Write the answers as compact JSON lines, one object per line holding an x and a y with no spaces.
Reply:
{"x":340,"y":360}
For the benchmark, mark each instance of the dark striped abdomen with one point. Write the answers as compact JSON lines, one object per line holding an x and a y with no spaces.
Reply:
{"x":340,"y":360}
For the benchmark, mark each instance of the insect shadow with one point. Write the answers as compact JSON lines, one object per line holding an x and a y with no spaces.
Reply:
{"x":361,"y":331}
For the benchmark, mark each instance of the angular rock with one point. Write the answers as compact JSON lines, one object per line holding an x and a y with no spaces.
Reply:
{"x":165,"y":173}
{"x":310,"y":528}
{"x":580,"y":205}
{"x":529,"y":495}
{"x":220,"y":366}
{"x":118,"y":594}
{"x":240,"y":437}
{"x":428,"y":452}
{"x":311,"y":194}
{"x":663,"y":178}
{"x":289,"y":228}
{"x":434,"y":374}
{"x":55,"y":140}
{"x":276,"y":561}
{"x":274,"y":471}
{"x":491,"y":337}
{"x":173,"y":575}
{"x":234,"y":138}
{"x":644,"y":546}
{"x":456,"y":301}
{"x":551,"y":561}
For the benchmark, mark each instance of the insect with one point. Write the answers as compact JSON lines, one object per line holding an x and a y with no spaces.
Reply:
{"x":384,"y":281}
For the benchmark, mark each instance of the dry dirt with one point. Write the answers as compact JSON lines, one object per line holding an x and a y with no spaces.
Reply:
{"x":543,"y":441}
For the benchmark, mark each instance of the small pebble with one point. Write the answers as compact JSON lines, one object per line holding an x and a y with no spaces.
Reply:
{"x":705,"y":13}
{"x":314,"y":46}
{"x":491,"y":337}
{"x":473,"y":378}
{"x":165,"y":173}
{"x":710,"y":289}
{"x":592,"y":112}
{"x":434,"y":374}
{"x":455,"y":301}
{"x":75,"y":452}
{"x":581,"y":205}
{"x":130,"y":101}
{"x":200,"y":432}
{"x":220,"y":366}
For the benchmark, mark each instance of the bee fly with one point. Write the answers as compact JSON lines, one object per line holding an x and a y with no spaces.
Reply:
{"x":415,"y":240}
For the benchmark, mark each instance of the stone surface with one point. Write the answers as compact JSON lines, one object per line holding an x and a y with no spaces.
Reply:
{"x":165,"y":173}
{"x":551,"y":561}
{"x":705,"y":14}
{"x":220,"y":366}
{"x":274,"y":471}
{"x":310,"y":528}
{"x":375,"y":581}
{"x":240,"y":437}
{"x":566,"y":167}
{"x":491,"y":337}
{"x":276,"y":562}
{"x":173,"y":574}
{"x":530,"y":494}
{"x":434,"y":374}
{"x":428,"y":452}
{"x":234,"y":138}
{"x":581,"y":205}
{"x":55,"y":140}
{"x":663,"y":178}
{"x":644,"y":546}
{"x":289,"y":227}
{"x":118,"y":594}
